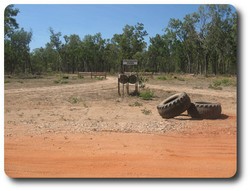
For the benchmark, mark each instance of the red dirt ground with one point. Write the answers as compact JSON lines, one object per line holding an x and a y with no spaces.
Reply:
{"x":47,"y":136}
{"x":121,"y":155}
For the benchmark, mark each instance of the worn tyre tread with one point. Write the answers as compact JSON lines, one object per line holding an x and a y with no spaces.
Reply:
{"x":205,"y":110}
{"x":174,"y":105}
{"x":132,"y":79}
{"x":123,"y":79}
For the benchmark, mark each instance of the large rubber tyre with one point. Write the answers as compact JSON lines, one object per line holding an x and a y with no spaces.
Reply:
{"x":174,"y":105}
{"x":205,"y":110}
{"x":132,"y":79}
{"x":123,"y":79}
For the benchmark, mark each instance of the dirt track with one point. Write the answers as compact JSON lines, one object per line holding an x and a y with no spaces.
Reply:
{"x":86,"y":130}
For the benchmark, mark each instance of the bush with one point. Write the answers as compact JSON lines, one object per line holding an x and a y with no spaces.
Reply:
{"x":214,"y":87}
{"x":166,"y":77}
{"x":74,"y":100}
{"x":99,"y":78}
{"x":57,"y":81}
{"x":146,"y":112}
{"x":222,"y":82}
{"x":64,"y":82}
{"x":147,"y":94}
{"x":60,"y":82}
{"x":161,"y":78}
{"x":65,"y":77}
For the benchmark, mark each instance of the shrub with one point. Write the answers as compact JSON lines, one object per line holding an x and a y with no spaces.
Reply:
{"x":217,"y":83}
{"x":147,"y":94}
{"x":161,"y":78}
{"x":146,"y":112}
{"x":64,"y":82}
{"x":57,"y":81}
{"x":166,"y":77}
{"x":61,"y":81}
{"x":99,"y":78}
{"x":74,"y":100}
{"x":214,"y":87}
{"x":65,"y":77}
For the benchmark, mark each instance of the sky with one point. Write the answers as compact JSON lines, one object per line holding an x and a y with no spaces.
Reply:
{"x":108,"y":19}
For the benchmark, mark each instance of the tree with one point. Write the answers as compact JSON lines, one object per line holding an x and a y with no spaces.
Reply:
{"x":71,"y":51}
{"x":220,"y":37}
{"x":44,"y":59}
{"x":185,"y":32}
{"x":16,"y":44}
{"x":191,"y":40}
{"x":91,"y":53}
{"x":57,"y":45}
{"x":112,"y":56}
{"x":131,"y":40}
{"x":207,"y":40}
{"x":17,"y":52}
{"x":10,"y":23}
{"x":38,"y":61}
{"x":203,"y":42}
{"x":217,"y":38}
{"x":158,"y":53}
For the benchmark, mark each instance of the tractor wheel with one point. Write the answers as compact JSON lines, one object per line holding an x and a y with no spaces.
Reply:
{"x":132,"y":79}
{"x":174,"y":105}
{"x":205,"y":110}
{"x":123,"y":79}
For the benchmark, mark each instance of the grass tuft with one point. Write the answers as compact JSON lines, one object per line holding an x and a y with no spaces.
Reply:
{"x":146,"y":111}
{"x":147,"y":94}
{"x":136,"y":104}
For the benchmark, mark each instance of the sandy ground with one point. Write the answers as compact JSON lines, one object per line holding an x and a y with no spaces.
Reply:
{"x":87,"y":130}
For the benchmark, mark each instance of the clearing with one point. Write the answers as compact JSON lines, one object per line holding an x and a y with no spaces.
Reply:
{"x":82,"y":128}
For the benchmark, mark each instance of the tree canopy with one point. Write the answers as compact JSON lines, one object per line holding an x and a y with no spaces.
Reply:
{"x":16,"y":44}
{"x":204,"y":42}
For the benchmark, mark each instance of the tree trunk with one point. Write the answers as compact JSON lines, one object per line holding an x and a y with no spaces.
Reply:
{"x":189,"y":64}
{"x":206,"y":63}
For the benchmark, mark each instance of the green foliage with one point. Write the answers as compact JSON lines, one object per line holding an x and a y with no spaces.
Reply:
{"x":211,"y":86}
{"x":131,"y":41}
{"x":6,"y":81}
{"x":62,"y":79}
{"x":183,"y":48}
{"x":161,"y":78}
{"x":64,"y":82}
{"x":166,"y":77}
{"x":146,"y":94}
{"x":65,"y":77}
{"x":99,"y":78}
{"x":17,"y":52}
{"x":57,"y":81}
{"x":10,"y":23}
{"x":223,"y":82}
{"x":143,"y":79}
{"x":204,"y":42}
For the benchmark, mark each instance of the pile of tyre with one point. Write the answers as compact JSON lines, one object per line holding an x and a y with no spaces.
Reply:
{"x":132,"y":79}
{"x":179,"y":103}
